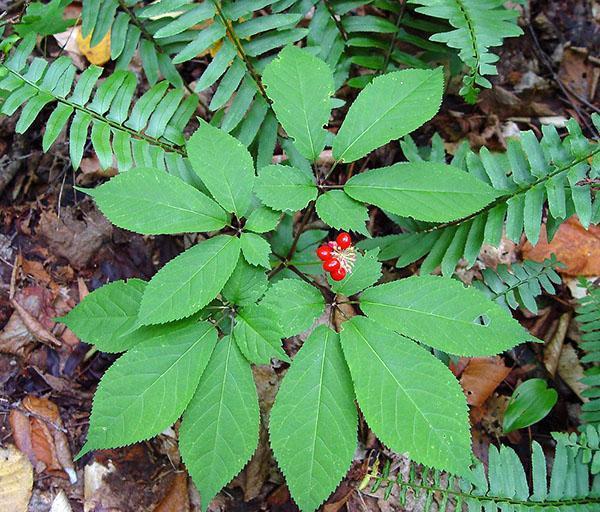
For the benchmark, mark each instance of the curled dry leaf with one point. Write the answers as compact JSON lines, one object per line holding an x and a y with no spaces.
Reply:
{"x":554,"y":347}
{"x":38,"y":431}
{"x":578,"y":249}
{"x":39,"y":332}
{"x":16,"y":480}
{"x":481,"y":377}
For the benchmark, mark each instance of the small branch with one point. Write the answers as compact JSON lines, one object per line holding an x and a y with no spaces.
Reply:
{"x":336,"y":20}
{"x":388,"y":53}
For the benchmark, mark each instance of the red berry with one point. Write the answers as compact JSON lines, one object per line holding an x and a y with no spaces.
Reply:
{"x":331,"y":265}
{"x":344,"y":241}
{"x":324,"y":253}
{"x":338,"y":274}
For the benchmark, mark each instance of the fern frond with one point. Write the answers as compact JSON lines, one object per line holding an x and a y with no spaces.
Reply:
{"x":132,"y":28}
{"x":571,"y":487}
{"x":588,"y":319}
{"x":587,"y":441}
{"x":520,"y":284}
{"x":237,"y":34}
{"x":531,"y":174}
{"x":146,"y":133}
{"x":342,"y":38}
{"x":479,"y":25}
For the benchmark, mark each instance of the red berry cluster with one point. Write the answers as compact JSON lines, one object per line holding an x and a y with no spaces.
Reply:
{"x":337,"y":256}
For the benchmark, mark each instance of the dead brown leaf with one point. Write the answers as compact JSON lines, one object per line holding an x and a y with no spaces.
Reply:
{"x":554,"y":346}
{"x":177,"y":497}
{"x":16,"y":480}
{"x":38,"y":331}
{"x":38,"y":431}
{"x":577,"y":248}
{"x":74,"y":238}
{"x":571,"y":370}
{"x":481,"y":377}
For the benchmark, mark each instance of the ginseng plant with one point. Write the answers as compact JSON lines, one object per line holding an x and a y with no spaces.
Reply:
{"x":266,"y":269}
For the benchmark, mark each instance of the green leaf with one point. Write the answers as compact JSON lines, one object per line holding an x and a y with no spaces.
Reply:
{"x":107,"y":314}
{"x":313,"y":421}
{"x":246,"y":285}
{"x":529,"y":403}
{"x":296,"y":303}
{"x":148,"y":388}
{"x":443,"y":314}
{"x":422,"y":190}
{"x":224,"y":166}
{"x":409,"y":398}
{"x":285,"y":188}
{"x":262,"y":220}
{"x":219,"y":431}
{"x":258,"y":335}
{"x":190,"y":281}
{"x":255,"y":249}
{"x":300,"y":86}
{"x":152,"y":202}
{"x":366,"y":272}
{"x":341,"y":212}
{"x":44,"y":19}
{"x":388,"y":108}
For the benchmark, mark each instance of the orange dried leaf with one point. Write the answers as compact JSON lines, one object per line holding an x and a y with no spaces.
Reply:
{"x":99,"y":54}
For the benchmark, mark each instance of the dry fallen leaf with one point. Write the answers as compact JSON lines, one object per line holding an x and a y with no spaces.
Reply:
{"x":577,"y":248}
{"x":571,"y":370}
{"x":481,"y":377}
{"x":177,"y":497}
{"x":553,"y":347}
{"x":38,"y":431}
{"x":99,"y":54}
{"x":61,"y":503}
{"x":16,"y":480}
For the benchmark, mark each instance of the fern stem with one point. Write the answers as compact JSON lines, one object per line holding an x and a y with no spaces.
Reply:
{"x":156,"y":142}
{"x":474,"y":47}
{"x":336,"y":20}
{"x":522,"y":190}
{"x":489,"y":499}
{"x":233,"y":37}
{"x":147,"y":35}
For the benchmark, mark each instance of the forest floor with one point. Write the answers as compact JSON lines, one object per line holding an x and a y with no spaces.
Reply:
{"x":55,"y":247}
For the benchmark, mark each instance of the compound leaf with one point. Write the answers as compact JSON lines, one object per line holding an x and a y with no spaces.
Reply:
{"x":255,"y":249}
{"x":340,"y":211}
{"x":219,"y":431}
{"x":258,"y":335}
{"x":443,"y":314}
{"x":390,"y":107}
{"x":366,"y":272}
{"x":152,"y":202}
{"x":224,"y":166}
{"x":425,"y":191}
{"x":246,"y":285}
{"x":409,"y":398}
{"x":285,"y":188}
{"x":190,"y":281}
{"x":107,"y":314}
{"x":300,"y":86}
{"x":313,"y":422}
{"x":296,"y":303}
{"x":148,"y":387}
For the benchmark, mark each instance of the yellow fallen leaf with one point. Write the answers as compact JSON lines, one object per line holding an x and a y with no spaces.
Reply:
{"x":16,"y":480}
{"x":99,"y":54}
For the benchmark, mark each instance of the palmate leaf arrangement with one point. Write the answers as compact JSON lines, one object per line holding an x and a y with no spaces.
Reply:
{"x":192,"y":333}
